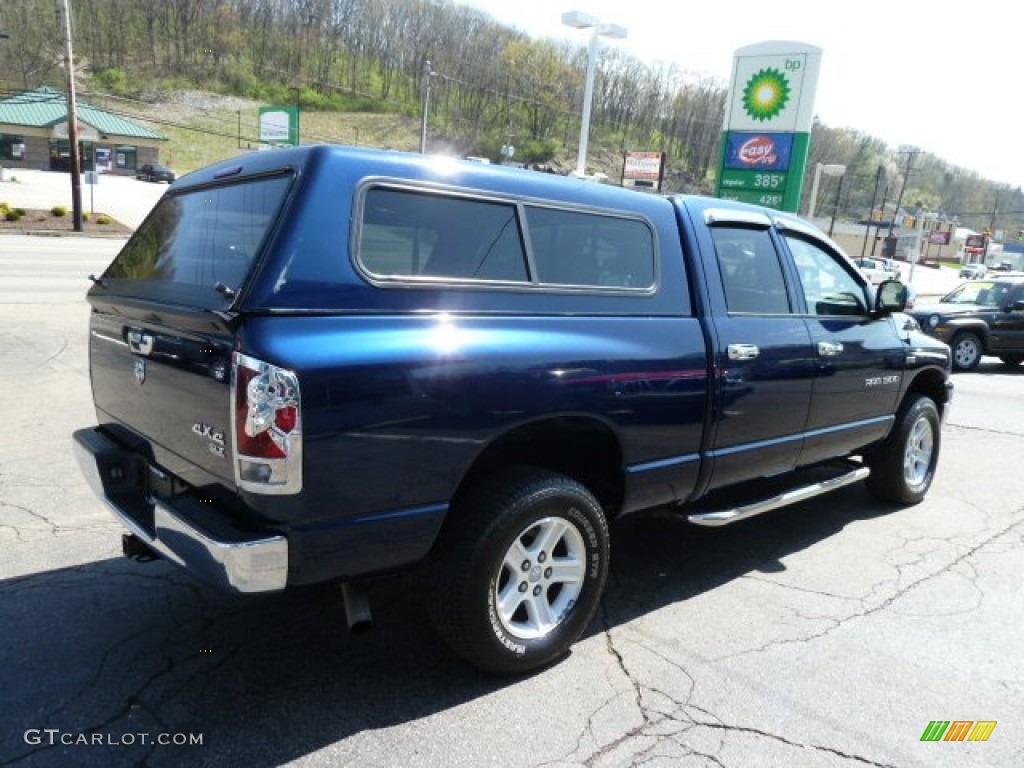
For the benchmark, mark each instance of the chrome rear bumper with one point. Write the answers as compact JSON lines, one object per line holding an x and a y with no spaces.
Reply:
{"x":227,"y":558}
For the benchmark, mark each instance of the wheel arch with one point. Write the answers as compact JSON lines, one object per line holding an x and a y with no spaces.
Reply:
{"x":932,"y":383}
{"x":582,"y":447}
{"x":977,"y":327}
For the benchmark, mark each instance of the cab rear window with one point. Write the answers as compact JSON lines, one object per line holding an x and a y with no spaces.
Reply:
{"x":197,"y":247}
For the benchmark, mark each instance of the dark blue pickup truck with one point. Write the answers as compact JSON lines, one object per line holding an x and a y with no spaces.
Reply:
{"x":327,"y":363}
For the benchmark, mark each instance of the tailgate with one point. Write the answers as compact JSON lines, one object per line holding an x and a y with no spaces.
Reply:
{"x":159,"y":375}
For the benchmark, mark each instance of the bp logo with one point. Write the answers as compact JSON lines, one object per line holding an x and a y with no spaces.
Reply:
{"x":766,"y":94}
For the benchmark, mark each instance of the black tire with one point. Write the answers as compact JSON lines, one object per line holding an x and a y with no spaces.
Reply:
{"x":1012,"y":360}
{"x":555,"y":531}
{"x":903,"y":467}
{"x":967,"y":351}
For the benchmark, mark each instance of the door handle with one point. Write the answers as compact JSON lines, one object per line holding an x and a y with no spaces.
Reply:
{"x":743,"y":351}
{"x":829,"y":348}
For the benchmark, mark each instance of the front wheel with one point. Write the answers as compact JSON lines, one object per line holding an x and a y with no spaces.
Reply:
{"x":903,"y":467}
{"x":967,"y":351}
{"x":519,"y":570}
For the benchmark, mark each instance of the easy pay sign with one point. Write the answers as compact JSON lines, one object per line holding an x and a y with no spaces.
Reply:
{"x":767,"y":127}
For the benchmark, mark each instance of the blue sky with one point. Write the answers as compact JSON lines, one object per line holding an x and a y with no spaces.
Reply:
{"x":907,"y":72}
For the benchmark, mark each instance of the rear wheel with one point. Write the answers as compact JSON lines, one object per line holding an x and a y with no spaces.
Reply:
{"x":967,"y":351}
{"x":903,"y":467}
{"x":519,"y":570}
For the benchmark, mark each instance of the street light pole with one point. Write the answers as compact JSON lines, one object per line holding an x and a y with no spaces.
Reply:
{"x":579,"y":20}
{"x":830,"y":169}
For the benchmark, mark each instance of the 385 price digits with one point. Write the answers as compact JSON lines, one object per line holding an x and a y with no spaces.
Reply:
{"x":768,"y":180}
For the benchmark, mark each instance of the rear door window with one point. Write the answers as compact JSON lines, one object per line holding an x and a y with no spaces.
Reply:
{"x":751,"y":272}
{"x":197,"y":247}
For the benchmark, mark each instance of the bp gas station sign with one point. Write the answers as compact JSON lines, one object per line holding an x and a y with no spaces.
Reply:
{"x":767,"y":127}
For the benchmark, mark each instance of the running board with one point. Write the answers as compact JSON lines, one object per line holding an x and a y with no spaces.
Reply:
{"x":726,"y":516}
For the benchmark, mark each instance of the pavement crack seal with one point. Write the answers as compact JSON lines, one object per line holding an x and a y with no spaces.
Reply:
{"x":789,"y":742}
{"x":888,"y":601}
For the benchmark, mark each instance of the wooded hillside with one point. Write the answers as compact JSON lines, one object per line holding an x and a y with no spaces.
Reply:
{"x":491,"y":85}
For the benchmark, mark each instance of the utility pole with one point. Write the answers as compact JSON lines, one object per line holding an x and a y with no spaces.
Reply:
{"x":911,"y":154}
{"x":427,"y":74}
{"x":995,"y":210}
{"x":835,"y":208}
{"x":874,"y":196}
{"x":885,"y":196}
{"x":76,"y":163}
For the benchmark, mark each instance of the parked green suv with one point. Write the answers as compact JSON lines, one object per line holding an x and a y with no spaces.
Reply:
{"x":979,"y":317}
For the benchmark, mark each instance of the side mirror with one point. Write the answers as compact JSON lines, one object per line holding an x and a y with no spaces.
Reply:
{"x":890,"y":297}
{"x":1017,"y":306}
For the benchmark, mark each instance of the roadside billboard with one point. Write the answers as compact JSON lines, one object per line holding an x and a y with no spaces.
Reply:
{"x":279,"y":126}
{"x":642,"y":169}
{"x":767,"y":127}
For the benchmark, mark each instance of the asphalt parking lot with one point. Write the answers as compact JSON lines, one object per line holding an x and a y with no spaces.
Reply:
{"x":826,"y":634}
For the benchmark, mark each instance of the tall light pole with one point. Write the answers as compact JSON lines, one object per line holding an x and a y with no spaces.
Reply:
{"x":830,"y":169}
{"x":76,"y":164}
{"x":580,"y":20}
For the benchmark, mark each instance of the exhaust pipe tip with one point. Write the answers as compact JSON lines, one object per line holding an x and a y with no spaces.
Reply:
{"x":357,"y":609}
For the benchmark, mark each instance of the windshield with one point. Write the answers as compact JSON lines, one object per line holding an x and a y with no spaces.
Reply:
{"x":981,"y":292}
{"x":196,"y":248}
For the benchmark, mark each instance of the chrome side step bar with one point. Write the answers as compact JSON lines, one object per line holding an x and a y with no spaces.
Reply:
{"x":726,"y":516}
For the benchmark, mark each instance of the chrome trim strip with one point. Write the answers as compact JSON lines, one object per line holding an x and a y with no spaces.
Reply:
{"x":105,"y":337}
{"x":726,"y":516}
{"x":674,"y":461}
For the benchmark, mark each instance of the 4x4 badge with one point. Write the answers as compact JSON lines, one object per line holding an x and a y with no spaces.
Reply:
{"x":140,"y":370}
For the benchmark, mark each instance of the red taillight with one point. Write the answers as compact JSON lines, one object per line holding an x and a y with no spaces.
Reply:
{"x":287,"y":418}
{"x":267,"y":426}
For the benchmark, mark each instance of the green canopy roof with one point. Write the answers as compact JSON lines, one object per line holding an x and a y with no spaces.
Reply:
{"x":45,"y":107}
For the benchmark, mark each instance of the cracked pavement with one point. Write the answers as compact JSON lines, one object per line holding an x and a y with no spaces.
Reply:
{"x":827,"y":634}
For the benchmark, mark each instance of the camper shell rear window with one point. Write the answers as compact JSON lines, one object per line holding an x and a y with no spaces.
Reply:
{"x":410,"y":235}
{"x":198,"y":246}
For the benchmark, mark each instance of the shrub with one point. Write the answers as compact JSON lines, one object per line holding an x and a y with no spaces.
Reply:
{"x":85,"y":215}
{"x":104,"y":219}
{"x":59,"y":210}
{"x":113,"y":79}
{"x":12,"y":215}
{"x":20,"y":211}
{"x":4,"y":208}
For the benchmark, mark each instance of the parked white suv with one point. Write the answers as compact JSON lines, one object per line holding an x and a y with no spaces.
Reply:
{"x":875,"y":270}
